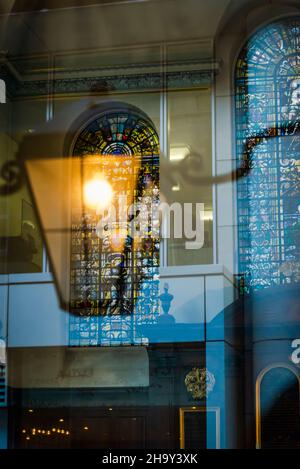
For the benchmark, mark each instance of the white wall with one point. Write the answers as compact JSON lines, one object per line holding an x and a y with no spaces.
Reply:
{"x":35,"y":318}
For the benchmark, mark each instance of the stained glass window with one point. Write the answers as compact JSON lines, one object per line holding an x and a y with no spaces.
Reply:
{"x":268,"y":97}
{"x":114,"y":288}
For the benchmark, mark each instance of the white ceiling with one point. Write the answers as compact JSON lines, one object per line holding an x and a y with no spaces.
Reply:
{"x":107,"y":26}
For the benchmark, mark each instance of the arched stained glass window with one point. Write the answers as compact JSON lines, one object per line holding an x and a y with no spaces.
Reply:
{"x":114,"y":287}
{"x":268,"y":97}
{"x":119,"y":132}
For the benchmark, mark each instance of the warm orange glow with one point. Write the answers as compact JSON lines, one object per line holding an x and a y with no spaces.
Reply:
{"x":74,"y":182}
{"x":98,"y":193}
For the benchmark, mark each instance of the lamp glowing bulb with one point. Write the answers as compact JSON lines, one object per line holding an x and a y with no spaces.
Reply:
{"x":98,"y":193}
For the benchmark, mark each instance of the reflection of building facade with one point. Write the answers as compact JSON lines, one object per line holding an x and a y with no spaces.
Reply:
{"x":213,"y":365}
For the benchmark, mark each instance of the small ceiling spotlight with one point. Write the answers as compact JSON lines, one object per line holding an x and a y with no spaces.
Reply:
{"x":178,"y":153}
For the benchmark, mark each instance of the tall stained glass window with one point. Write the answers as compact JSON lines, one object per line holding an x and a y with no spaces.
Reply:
{"x":268,"y":102}
{"x":114,"y":284}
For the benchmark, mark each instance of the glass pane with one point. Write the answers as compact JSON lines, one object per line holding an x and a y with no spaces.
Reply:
{"x":154,"y":147}
{"x":21,"y":247}
{"x":190,"y":146}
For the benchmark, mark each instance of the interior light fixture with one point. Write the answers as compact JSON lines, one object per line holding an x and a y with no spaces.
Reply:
{"x":98,"y":193}
{"x":178,"y":153}
{"x":84,"y":188}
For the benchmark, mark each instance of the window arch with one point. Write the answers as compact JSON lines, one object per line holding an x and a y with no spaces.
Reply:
{"x":267,"y":90}
{"x":115,"y":288}
{"x":277,"y":407}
